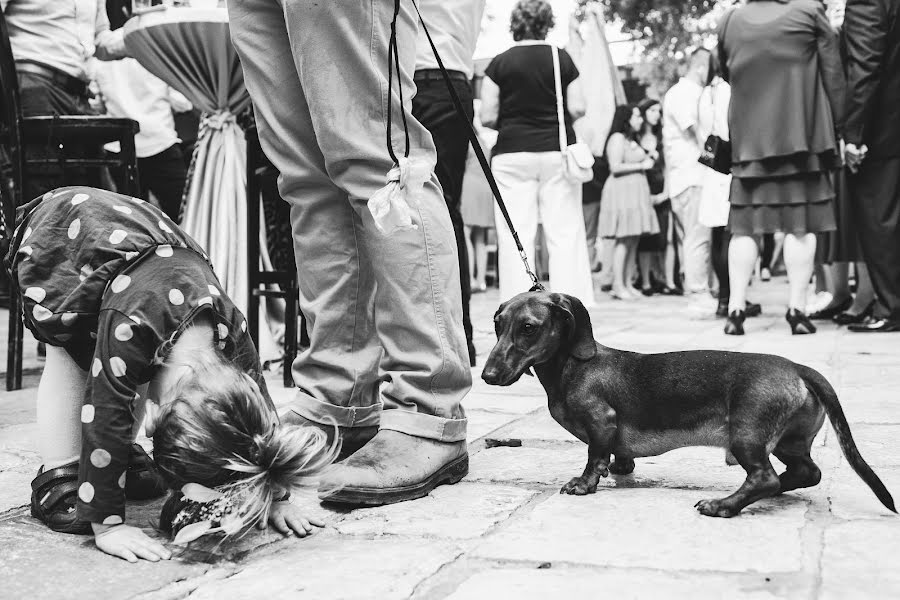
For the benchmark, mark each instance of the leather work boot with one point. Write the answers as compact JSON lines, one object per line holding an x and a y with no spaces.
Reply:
{"x":352,"y":438}
{"x":394,"y":467}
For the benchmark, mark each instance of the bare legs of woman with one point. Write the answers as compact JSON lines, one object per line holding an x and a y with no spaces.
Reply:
{"x":799,"y":253}
{"x":623,"y":267}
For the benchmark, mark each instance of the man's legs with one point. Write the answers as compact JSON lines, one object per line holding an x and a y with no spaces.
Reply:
{"x":433,"y":108}
{"x":318,"y":75}
{"x":876,"y":198}
{"x":164,"y":175}
{"x":695,"y":243}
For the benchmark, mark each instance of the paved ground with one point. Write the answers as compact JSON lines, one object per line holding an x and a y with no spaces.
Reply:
{"x":505,"y":532}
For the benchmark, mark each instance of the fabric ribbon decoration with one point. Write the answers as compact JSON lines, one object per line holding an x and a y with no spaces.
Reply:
{"x":394,"y":206}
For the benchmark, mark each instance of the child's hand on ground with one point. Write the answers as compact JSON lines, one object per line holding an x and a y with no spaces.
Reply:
{"x":129,"y":543}
{"x":285,"y":518}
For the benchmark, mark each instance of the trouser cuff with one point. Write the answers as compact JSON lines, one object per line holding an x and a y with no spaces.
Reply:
{"x":328,"y":414}
{"x":424,"y":426}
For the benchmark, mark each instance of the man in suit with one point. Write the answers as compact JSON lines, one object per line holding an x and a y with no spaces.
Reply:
{"x":872,"y":136}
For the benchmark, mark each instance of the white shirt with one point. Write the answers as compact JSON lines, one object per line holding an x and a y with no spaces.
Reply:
{"x":130,"y":91}
{"x":454,"y":26}
{"x":713,"y":110}
{"x":682,"y":147}
{"x":61,"y":33}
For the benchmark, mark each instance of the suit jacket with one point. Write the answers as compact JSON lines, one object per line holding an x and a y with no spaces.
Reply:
{"x":872,"y":38}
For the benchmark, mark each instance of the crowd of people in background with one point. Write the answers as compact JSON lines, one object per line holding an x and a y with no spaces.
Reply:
{"x":805,"y":93}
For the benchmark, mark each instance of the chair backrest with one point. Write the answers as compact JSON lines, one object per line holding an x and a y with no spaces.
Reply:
{"x":11,"y":151}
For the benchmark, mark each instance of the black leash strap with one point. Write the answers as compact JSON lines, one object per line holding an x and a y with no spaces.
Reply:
{"x":473,"y":136}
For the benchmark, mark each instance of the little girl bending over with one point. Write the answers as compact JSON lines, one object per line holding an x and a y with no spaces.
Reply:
{"x":135,"y":319}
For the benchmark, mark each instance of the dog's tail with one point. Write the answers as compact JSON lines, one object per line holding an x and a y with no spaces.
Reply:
{"x":825,"y":394}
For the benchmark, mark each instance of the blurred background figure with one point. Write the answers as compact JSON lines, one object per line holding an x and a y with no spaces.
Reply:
{"x":657,"y":276}
{"x":519,"y":99}
{"x":775,"y":55}
{"x":478,"y":207}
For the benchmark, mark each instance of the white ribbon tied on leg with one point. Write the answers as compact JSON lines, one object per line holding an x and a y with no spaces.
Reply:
{"x":394,"y":206}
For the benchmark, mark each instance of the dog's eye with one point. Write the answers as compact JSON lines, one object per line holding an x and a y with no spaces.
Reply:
{"x":528,"y":328}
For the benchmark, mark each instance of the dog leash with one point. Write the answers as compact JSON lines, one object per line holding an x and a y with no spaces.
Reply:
{"x":473,"y":136}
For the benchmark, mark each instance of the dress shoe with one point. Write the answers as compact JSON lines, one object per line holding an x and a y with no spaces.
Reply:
{"x":848,"y":318}
{"x":352,"y":438}
{"x":830,"y":312}
{"x":394,"y":467}
{"x":799,"y":322}
{"x":875,"y":325}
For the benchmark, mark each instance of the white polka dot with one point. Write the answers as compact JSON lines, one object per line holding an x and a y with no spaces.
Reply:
{"x":122,"y":209}
{"x":164,"y":227}
{"x":118,"y":366}
{"x":113,"y":520}
{"x":74,"y":229}
{"x":86,"y":271}
{"x":87,"y":413}
{"x":93,"y":335}
{"x":96,"y":367}
{"x":164,"y":251}
{"x":124,"y":332}
{"x":63,"y":337}
{"x":27,"y":234}
{"x":40,"y":313}
{"x":135,"y":319}
{"x":130,"y":255}
{"x":137,"y":201}
{"x":100,"y":458}
{"x":223,"y":331}
{"x":176,"y":297}
{"x":120,"y":283}
{"x":204,"y":300}
{"x":35,"y":293}
{"x":117,"y":236}
{"x":86,"y":492}
{"x":47,"y":196}
{"x":222,"y":345}
{"x":26,"y":250}
{"x":79,"y":198}
{"x":214,"y":290}
{"x":122,"y":480}
{"x":244,"y":326}
{"x":68,"y":318}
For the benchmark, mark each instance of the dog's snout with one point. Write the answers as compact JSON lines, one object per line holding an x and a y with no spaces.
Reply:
{"x":490,"y":375}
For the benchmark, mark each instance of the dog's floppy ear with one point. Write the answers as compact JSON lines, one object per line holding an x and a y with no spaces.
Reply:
{"x":580,"y":333}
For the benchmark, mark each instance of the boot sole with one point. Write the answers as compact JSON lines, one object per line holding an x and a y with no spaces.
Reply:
{"x":449,"y":474}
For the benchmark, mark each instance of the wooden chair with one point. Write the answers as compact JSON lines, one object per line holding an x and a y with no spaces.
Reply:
{"x":63,"y":136}
{"x":259,"y":169}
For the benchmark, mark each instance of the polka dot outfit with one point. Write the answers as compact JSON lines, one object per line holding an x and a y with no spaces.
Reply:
{"x":114,"y":282}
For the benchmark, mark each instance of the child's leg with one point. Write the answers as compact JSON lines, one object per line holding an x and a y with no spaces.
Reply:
{"x":60,"y":397}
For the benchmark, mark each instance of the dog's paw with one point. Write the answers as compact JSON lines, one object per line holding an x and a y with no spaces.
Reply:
{"x":715,"y":508}
{"x":622,"y":466}
{"x":578,"y":487}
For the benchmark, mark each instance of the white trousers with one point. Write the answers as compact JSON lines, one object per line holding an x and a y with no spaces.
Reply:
{"x":535,"y":191}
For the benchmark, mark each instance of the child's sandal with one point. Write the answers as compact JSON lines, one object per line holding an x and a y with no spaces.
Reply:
{"x":142,"y":479}
{"x":54,"y":494}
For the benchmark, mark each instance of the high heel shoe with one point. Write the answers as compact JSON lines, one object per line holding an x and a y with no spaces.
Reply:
{"x":734,"y":325}
{"x":831,"y":311}
{"x":799,"y":322}
{"x":848,"y":318}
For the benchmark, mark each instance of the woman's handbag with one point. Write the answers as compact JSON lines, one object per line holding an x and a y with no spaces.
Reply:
{"x":716,"y":154}
{"x":578,"y":159}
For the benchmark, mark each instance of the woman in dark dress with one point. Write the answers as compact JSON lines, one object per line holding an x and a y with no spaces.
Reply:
{"x":652,"y":248}
{"x":782,"y":61}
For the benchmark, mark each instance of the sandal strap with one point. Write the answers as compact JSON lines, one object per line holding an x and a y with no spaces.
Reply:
{"x":54,"y":476}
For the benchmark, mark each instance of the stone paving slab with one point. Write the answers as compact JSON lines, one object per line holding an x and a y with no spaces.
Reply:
{"x":852,"y":499}
{"x":466,"y":510}
{"x":649,"y":528}
{"x":626,"y":584}
{"x":329,"y":566}
{"x":860,"y":560}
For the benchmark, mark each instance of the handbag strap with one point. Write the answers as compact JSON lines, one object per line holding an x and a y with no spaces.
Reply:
{"x":479,"y":153}
{"x":557,"y":81}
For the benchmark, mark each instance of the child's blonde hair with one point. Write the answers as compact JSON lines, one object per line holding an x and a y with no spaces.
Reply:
{"x":221,"y":432}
